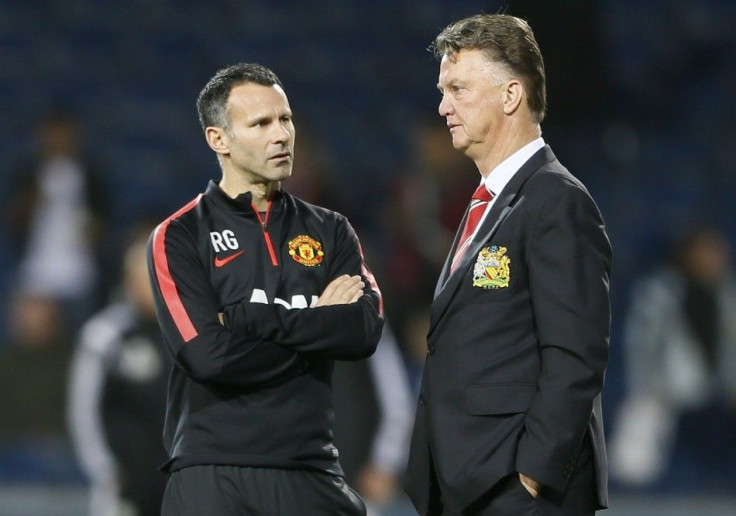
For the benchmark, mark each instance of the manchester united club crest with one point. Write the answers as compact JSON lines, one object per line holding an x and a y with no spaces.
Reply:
{"x":492,"y":268}
{"x":306,"y":250}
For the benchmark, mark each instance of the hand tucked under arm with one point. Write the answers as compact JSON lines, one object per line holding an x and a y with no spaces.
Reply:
{"x":343,"y":290}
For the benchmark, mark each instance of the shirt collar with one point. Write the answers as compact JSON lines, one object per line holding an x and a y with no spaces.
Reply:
{"x":504,"y":171}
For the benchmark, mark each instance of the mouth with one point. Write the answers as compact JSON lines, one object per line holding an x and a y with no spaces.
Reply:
{"x":281,"y":156}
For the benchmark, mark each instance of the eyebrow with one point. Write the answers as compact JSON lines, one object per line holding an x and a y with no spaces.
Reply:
{"x":451,"y":83}
{"x":268,"y":117}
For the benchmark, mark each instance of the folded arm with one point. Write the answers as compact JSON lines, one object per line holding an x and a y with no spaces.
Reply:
{"x":189,"y":318}
{"x":346,"y":322}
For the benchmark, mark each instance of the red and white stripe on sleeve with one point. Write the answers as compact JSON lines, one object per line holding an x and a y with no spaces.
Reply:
{"x":166,"y":281}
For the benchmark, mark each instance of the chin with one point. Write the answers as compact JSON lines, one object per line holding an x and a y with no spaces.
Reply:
{"x":461,"y":146}
{"x":460,"y":143}
{"x":279,"y":174}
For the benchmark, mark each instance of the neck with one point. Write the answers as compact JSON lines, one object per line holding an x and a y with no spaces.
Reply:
{"x":515,"y":139}
{"x":262,"y":192}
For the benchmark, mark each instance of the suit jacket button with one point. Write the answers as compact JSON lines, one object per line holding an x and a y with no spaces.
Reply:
{"x":421,"y":400}
{"x":430,"y":350}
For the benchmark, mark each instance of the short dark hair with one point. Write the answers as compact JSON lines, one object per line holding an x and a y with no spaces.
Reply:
{"x":506,"y":40}
{"x":212,"y":100}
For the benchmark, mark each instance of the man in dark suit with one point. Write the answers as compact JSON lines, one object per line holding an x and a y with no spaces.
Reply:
{"x":509,"y":415}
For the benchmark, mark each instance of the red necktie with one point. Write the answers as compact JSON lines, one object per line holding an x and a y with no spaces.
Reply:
{"x":478,"y":205}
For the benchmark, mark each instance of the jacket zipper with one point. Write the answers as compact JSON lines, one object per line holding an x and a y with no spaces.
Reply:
{"x":266,"y":236}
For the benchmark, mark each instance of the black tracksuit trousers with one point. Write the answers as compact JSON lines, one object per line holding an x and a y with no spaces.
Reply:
{"x":239,"y":491}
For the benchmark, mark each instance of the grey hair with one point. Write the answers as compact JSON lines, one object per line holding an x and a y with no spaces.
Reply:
{"x":505,"y":40}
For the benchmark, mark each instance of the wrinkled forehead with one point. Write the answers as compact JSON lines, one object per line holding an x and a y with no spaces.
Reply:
{"x":466,"y":62}
{"x":473,"y":63}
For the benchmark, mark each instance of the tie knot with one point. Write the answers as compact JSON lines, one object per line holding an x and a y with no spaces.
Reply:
{"x":482,"y":194}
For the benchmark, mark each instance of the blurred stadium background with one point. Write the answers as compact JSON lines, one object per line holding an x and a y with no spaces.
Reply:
{"x":641,"y":108}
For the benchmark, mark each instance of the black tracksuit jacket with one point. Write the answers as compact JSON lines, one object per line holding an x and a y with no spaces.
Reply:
{"x":256,"y":390}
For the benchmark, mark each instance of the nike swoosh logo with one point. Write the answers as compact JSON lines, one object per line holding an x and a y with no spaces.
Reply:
{"x":224,"y":261}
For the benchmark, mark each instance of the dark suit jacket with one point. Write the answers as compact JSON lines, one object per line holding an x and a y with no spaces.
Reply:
{"x":517,"y":345}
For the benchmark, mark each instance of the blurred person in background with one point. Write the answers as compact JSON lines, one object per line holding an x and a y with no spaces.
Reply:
{"x":56,"y":218}
{"x":54,"y":215}
{"x":680,"y":358}
{"x":425,"y":200}
{"x":53,"y":218}
{"x":509,"y":417}
{"x":414,"y":338}
{"x":117,"y":396}
{"x":315,"y":176}
{"x":33,"y":377}
{"x":257,"y":294}
{"x":373,"y":415}
{"x":431,"y":191}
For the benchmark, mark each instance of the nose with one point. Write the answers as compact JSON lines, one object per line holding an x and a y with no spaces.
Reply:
{"x":282,"y":132}
{"x":445,"y":107}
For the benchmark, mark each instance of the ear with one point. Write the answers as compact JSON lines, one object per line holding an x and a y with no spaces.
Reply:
{"x":513,"y":96}
{"x":217,"y":139}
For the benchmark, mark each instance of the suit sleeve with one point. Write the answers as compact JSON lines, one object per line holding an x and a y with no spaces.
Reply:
{"x":342,"y":332}
{"x":187,"y":312}
{"x":569,"y":266}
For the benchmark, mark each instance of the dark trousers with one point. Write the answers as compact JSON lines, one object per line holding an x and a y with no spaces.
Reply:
{"x":509,"y":497}
{"x":232,"y":490}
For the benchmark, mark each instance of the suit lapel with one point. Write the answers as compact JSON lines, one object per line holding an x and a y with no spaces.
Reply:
{"x":448,"y":261}
{"x":448,"y":283}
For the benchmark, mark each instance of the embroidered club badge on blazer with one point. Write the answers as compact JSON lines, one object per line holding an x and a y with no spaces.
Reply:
{"x":492,"y":268}
{"x":306,"y":250}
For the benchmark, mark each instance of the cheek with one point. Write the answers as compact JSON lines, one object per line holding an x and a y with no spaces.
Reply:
{"x":246,"y":152}
{"x":484,"y":117}
{"x":473,"y":119}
